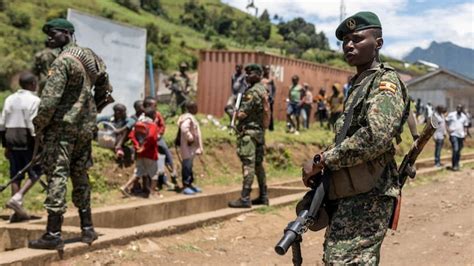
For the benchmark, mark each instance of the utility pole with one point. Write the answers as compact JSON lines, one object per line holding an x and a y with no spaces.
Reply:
{"x":251,"y":5}
{"x":342,"y":16}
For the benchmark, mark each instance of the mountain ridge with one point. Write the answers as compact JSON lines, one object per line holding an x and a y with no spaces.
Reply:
{"x":447,"y":55}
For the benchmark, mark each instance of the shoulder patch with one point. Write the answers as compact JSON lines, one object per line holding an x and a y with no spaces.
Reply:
{"x":248,"y":97}
{"x":50,"y":72}
{"x":388,"y":86}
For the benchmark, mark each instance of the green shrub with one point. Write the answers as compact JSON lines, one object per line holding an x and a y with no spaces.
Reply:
{"x":107,"y":13}
{"x":153,"y":33}
{"x":219,"y":45}
{"x":165,"y":38}
{"x":56,"y":13}
{"x":3,"y":5}
{"x":19,"y":19}
{"x":153,"y":6}
{"x":133,"y":5}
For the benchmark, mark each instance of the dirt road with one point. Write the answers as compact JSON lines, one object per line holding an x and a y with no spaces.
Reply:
{"x":436,"y":228}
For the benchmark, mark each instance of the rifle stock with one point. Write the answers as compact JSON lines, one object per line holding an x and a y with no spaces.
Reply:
{"x":407,"y":167}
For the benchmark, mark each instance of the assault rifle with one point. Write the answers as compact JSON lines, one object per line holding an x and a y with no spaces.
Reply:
{"x":407,"y":167}
{"x":310,"y":216}
{"x":35,"y":159}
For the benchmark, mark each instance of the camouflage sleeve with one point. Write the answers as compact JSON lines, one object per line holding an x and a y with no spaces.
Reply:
{"x":250,"y":99}
{"x":52,"y":93}
{"x":384,"y":115}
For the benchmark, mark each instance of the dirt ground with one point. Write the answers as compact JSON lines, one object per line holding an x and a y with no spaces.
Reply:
{"x":436,"y":228}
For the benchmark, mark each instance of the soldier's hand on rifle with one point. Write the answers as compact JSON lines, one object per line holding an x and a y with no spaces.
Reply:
{"x":311,"y":169}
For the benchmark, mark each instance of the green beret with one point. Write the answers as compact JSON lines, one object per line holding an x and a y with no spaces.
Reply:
{"x":254,"y":67}
{"x":360,"y":21}
{"x":58,"y":23}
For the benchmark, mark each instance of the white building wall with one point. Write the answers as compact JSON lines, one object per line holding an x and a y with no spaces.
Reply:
{"x":436,"y":97}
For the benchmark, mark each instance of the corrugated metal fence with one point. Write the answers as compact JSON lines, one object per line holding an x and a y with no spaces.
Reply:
{"x":216,"y":68}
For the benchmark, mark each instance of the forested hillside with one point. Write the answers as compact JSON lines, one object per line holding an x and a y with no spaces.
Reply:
{"x":177,"y":30}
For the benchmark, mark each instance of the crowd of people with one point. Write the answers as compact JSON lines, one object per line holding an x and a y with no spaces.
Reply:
{"x":300,"y":101}
{"x":143,"y":135}
{"x":454,"y":126}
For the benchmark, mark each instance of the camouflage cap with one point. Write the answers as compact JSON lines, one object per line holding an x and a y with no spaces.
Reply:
{"x":58,"y":23}
{"x":360,"y":21}
{"x":254,"y":67}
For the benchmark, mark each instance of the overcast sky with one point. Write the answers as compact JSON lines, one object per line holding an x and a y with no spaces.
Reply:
{"x":406,"y":23}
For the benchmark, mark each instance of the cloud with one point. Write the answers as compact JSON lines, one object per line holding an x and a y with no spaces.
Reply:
{"x":404,"y":27}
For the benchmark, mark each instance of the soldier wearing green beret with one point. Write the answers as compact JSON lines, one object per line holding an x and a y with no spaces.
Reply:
{"x":363,"y":173}
{"x":251,"y":137}
{"x":66,"y":120}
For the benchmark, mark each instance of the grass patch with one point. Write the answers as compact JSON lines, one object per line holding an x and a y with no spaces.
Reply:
{"x":267,"y":210}
{"x":187,"y":248}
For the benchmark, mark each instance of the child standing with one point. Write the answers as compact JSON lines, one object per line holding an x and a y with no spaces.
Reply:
{"x":144,"y":139}
{"x":190,"y":144}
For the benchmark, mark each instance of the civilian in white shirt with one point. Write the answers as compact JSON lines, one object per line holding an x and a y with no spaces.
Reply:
{"x":457,"y":129}
{"x":17,"y":134}
{"x":440,"y":133}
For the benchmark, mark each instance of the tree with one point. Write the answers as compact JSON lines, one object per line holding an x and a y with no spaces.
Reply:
{"x":301,"y":36}
{"x":265,"y":17}
{"x":195,"y":15}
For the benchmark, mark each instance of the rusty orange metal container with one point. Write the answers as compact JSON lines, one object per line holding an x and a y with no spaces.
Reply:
{"x":216,"y":68}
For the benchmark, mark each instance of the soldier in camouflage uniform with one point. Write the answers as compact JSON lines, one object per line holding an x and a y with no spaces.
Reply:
{"x":43,"y":61}
{"x":360,"y":209}
{"x":66,"y":119}
{"x":251,"y":138}
{"x":180,"y":86}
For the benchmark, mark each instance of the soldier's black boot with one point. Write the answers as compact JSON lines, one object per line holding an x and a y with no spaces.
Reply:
{"x":244,"y":201}
{"x":262,"y":198}
{"x":88,"y":234}
{"x":52,"y":238}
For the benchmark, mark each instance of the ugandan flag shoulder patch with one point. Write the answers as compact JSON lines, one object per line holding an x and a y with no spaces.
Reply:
{"x":388,"y":86}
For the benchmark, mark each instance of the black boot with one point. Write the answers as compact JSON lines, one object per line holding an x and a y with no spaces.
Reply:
{"x":88,"y":234}
{"x":262,"y":198}
{"x":244,"y":201}
{"x":52,"y":238}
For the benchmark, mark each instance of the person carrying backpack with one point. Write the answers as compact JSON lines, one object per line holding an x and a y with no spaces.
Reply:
{"x":253,"y":118}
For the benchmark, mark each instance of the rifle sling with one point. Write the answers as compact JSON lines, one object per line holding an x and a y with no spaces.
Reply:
{"x":348,"y":117}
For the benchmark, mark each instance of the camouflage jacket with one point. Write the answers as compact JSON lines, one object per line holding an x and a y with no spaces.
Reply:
{"x":43,"y":61}
{"x":376,"y":121}
{"x":180,"y":83}
{"x":252,"y":106}
{"x":67,"y":100}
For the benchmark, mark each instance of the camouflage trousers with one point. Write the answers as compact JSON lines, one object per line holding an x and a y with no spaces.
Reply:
{"x":357,"y":229}
{"x":178,"y":100}
{"x":66,"y":153}
{"x":250,"y":149}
